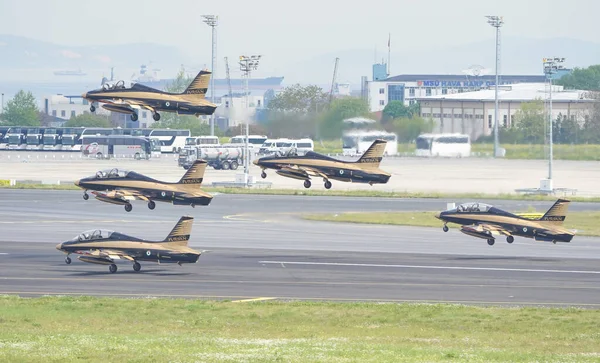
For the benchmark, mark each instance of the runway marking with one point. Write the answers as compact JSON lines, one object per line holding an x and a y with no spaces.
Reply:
{"x":3,"y":253}
{"x":427,"y":267}
{"x":292,"y":298}
{"x":255,"y":299}
{"x":101,"y":221}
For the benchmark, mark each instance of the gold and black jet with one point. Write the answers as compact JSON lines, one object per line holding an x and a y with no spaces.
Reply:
{"x":484,"y":221}
{"x":104,"y":247}
{"x":119,"y":186}
{"x":118,"y":98}
{"x":364,"y":170}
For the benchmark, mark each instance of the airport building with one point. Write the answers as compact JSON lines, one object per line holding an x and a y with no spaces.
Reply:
{"x":473,"y":113}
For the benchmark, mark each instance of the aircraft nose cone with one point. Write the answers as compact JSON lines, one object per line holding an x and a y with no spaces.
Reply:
{"x":59,"y":246}
{"x":255,"y":162}
{"x":438,"y":215}
{"x":76,"y":182}
{"x":84,"y":95}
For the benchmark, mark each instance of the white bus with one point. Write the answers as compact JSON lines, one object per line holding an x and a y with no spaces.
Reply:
{"x":202,"y":141}
{"x":34,"y":139}
{"x":444,"y":145}
{"x":52,"y":139}
{"x":17,"y":138}
{"x":3,"y":137}
{"x":355,"y":142}
{"x":120,"y":146}
{"x":171,"y":140}
{"x":254,"y":142}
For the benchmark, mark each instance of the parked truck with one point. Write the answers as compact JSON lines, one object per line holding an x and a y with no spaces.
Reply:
{"x":221,"y":157}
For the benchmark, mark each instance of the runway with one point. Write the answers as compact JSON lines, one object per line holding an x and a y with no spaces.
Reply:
{"x":261,"y":249}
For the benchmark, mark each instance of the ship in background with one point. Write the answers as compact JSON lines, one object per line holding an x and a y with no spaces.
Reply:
{"x":70,"y":73}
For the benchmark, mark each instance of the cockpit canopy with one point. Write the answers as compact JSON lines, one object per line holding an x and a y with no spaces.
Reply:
{"x":472,"y":207}
{"x":93,"y":234}
{"x":113,"y":86}
{"x":112,"y":173}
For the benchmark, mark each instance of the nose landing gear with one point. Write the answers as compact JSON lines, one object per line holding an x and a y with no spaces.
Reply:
{"x":445,"y":228}
{"x":85,"y":196}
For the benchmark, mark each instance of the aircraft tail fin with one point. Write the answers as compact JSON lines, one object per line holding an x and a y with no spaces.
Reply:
{"x":557,"y":213}
{"x":195,"y":174}
{"x":199,"y":85}
{"x":180,"y":234}
{"x":372,"y":157}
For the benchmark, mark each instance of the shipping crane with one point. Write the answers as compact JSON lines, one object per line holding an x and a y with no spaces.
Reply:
{"x":333,"y":80}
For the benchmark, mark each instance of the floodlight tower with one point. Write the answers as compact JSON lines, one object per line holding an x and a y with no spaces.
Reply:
{"x":247,"y":64}
{"x":551,"y":66}
{"x":212,"y":21}
{"x":496,"y":22}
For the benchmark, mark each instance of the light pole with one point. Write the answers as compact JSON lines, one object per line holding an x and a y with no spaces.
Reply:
{"x":496,"y":22}
{"x":2,"y":109}
{"x":212,"y":21}
{"x":247,"y":64}
{"x":551,"y":66}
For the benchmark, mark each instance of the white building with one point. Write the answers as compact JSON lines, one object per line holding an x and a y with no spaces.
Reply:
{"x":473,"y":113}
{"x":67,"y":107}
{"x":410,"y":87}
{"x":235,"y":108}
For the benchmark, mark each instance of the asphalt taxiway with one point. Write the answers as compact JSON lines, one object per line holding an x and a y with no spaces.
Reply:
{"x":260,"y":248}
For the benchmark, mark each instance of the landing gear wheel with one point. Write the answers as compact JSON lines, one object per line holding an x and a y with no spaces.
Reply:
{"x":307,"y":184}
{"x":68,"y":260}
{"x":490,"y":242}
{"x":92,"y":109}
{"x":327,"y":184}
{"x":134,"y":117}
{"x":151,"y":205}
{"x":445,"y":228}
{"x":156,"y":116}
{"x":128,"y":207}
{"x":112,"y":268}
{"x":510,"y":239}
{"x":86,"y":196}
{"x":264,"y":175}
{"x":137,"y":267}
{"x":234,"y":165}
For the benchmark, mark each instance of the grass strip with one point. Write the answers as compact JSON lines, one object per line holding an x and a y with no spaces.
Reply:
{"x":52,"y":329}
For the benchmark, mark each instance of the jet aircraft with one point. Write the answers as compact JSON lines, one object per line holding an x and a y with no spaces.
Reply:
{"x":364,"y":170}
{"x":484,"y":221}
{"x":118,"y":98}
{"x":121,"y":187}
{"x":105,"y":247}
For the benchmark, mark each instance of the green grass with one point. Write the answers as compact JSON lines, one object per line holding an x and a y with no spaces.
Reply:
{"x":559,"y":151}
{"x":58,"y":329}
{"x":341,"y":193}
{"x":586,"y":223}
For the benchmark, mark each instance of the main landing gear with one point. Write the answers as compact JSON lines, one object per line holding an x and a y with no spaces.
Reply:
{"x":128,"y":207}
{"x":151,"y":205}
{"x":327,"y":184}
{"x":490,"y":241}
{"x":307,"y":183}
{"x":156,"y":116}
{"x":510,"y":239}
{"x":134,"y":116}
{"x":85,"y":196}
{"x":112,"y":268}
{"x":137,"y":267}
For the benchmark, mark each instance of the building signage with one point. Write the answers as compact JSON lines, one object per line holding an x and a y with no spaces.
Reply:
{"x":456,"y":84}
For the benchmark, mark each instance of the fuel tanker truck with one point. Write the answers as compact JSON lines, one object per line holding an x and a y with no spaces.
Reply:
{"x":220,"y":157}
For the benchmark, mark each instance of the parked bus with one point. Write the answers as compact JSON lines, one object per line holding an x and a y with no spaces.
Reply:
{"x":17,"y":138}
{"x":121,"y":146}
{"x":171,"y":140}
{"x":154,"y":146}
{"x":4,"y":137}
{"x":445,"y":145}
{"x":254,"y":142}
{"x":71,"y":138}
{"x":34,"y":139}
{"x":52,"y":139}
{"x":355,"y":142}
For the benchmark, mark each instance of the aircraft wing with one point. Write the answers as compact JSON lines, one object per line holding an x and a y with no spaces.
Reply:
{"x":120,"y":196}
{"x":490,"y":228}
{"x":134,"y":104}
{"x":107,"y":255}
{"x":305,"y":171}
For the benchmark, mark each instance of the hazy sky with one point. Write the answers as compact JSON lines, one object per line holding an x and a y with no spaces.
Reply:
{"x":286,"y":30}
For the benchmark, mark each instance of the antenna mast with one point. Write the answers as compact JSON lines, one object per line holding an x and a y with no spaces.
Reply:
{"x":333,"y":80}
{"x":228,"y":82}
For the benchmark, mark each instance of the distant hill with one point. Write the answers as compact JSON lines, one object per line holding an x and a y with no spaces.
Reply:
{"x":518,"y":56}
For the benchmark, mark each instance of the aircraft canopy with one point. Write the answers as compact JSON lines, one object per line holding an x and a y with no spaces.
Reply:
{"x":473,"y":207}
{"x":93,"y":234}
{"x":112,"y":173}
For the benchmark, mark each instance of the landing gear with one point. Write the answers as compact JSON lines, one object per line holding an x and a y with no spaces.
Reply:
{"x":327,"y":184}
{"x":134,"y":116}
{"x":491,"y":241}
{"x":112,"y":268}
{"x":128,"y":207}
{"x":68,"y":260}
{"x":510,"y":239}
{"x":307,"y":184}
{"x":86,"y":196}
{"x":151,"y":205}
{"x":92,"y":108}
{"x":156,"y":116}
{"x":263,"y":174}
{"x":445,"y":228}
{"x":137,"y":267}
